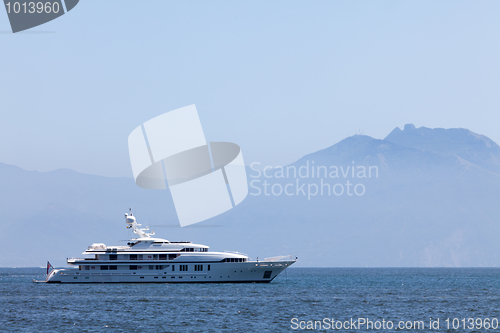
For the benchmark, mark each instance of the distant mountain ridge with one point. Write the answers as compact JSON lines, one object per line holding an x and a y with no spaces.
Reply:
{"x":434,"y":203}
{"x":475,"y":148}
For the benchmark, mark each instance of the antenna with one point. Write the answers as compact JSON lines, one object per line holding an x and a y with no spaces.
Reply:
{"x":132,"y":224}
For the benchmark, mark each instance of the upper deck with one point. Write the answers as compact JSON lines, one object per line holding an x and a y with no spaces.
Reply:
{"x":148,"y":245}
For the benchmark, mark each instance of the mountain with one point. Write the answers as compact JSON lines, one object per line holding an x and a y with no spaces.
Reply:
{"x":58,"y":214}
{"x":425,"y":208}
{"x":419,"y":197}
{"x":472,"y":147}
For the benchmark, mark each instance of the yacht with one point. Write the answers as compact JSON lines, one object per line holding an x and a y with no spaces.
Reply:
{"x":149,"y":259}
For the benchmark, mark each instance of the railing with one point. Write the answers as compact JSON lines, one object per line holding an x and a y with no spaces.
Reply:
{"x":131,"y":259}
{"x":278,"y":258}
{"x":235,"y":252}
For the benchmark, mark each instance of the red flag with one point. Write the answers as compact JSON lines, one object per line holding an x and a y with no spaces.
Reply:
{"x":49,"y":267}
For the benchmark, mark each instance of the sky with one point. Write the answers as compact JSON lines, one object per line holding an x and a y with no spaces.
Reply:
{"x":282,"y":79}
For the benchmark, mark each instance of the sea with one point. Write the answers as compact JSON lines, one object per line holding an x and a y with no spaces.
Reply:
{"x":300,"y":299}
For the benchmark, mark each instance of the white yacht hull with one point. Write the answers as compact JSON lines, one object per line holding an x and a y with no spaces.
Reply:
{"x":250,"y":271}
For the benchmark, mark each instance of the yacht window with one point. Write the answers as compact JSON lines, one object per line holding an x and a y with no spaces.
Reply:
{"x":113,"y":256}
{"x":113,"y":268}
{"x":173,"y":268}
{"x":139,"y":256}
{"x":133,"y":257}
{"x":87,"y":268}
{"x":187,"y":249}
{"x":163,"y":257}
{"x":133,"y":267}
{"x":208,"y":267}
{"x":104,"y":268}
{"x":152,"y":267}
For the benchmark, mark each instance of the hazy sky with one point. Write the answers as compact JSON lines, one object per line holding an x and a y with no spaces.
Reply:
{"x":280,"y":78}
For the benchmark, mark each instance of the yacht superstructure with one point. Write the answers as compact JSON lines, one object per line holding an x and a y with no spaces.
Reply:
{"x":149,"y":259}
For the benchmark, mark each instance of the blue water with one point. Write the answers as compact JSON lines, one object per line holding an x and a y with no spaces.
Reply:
{"x":390,"y":294}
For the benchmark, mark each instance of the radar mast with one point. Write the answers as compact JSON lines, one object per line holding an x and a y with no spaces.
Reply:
{"x":132,"y":224}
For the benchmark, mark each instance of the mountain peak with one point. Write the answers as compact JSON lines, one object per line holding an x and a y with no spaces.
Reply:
{"x":461,"y":142}
{"x":409,"y":127}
